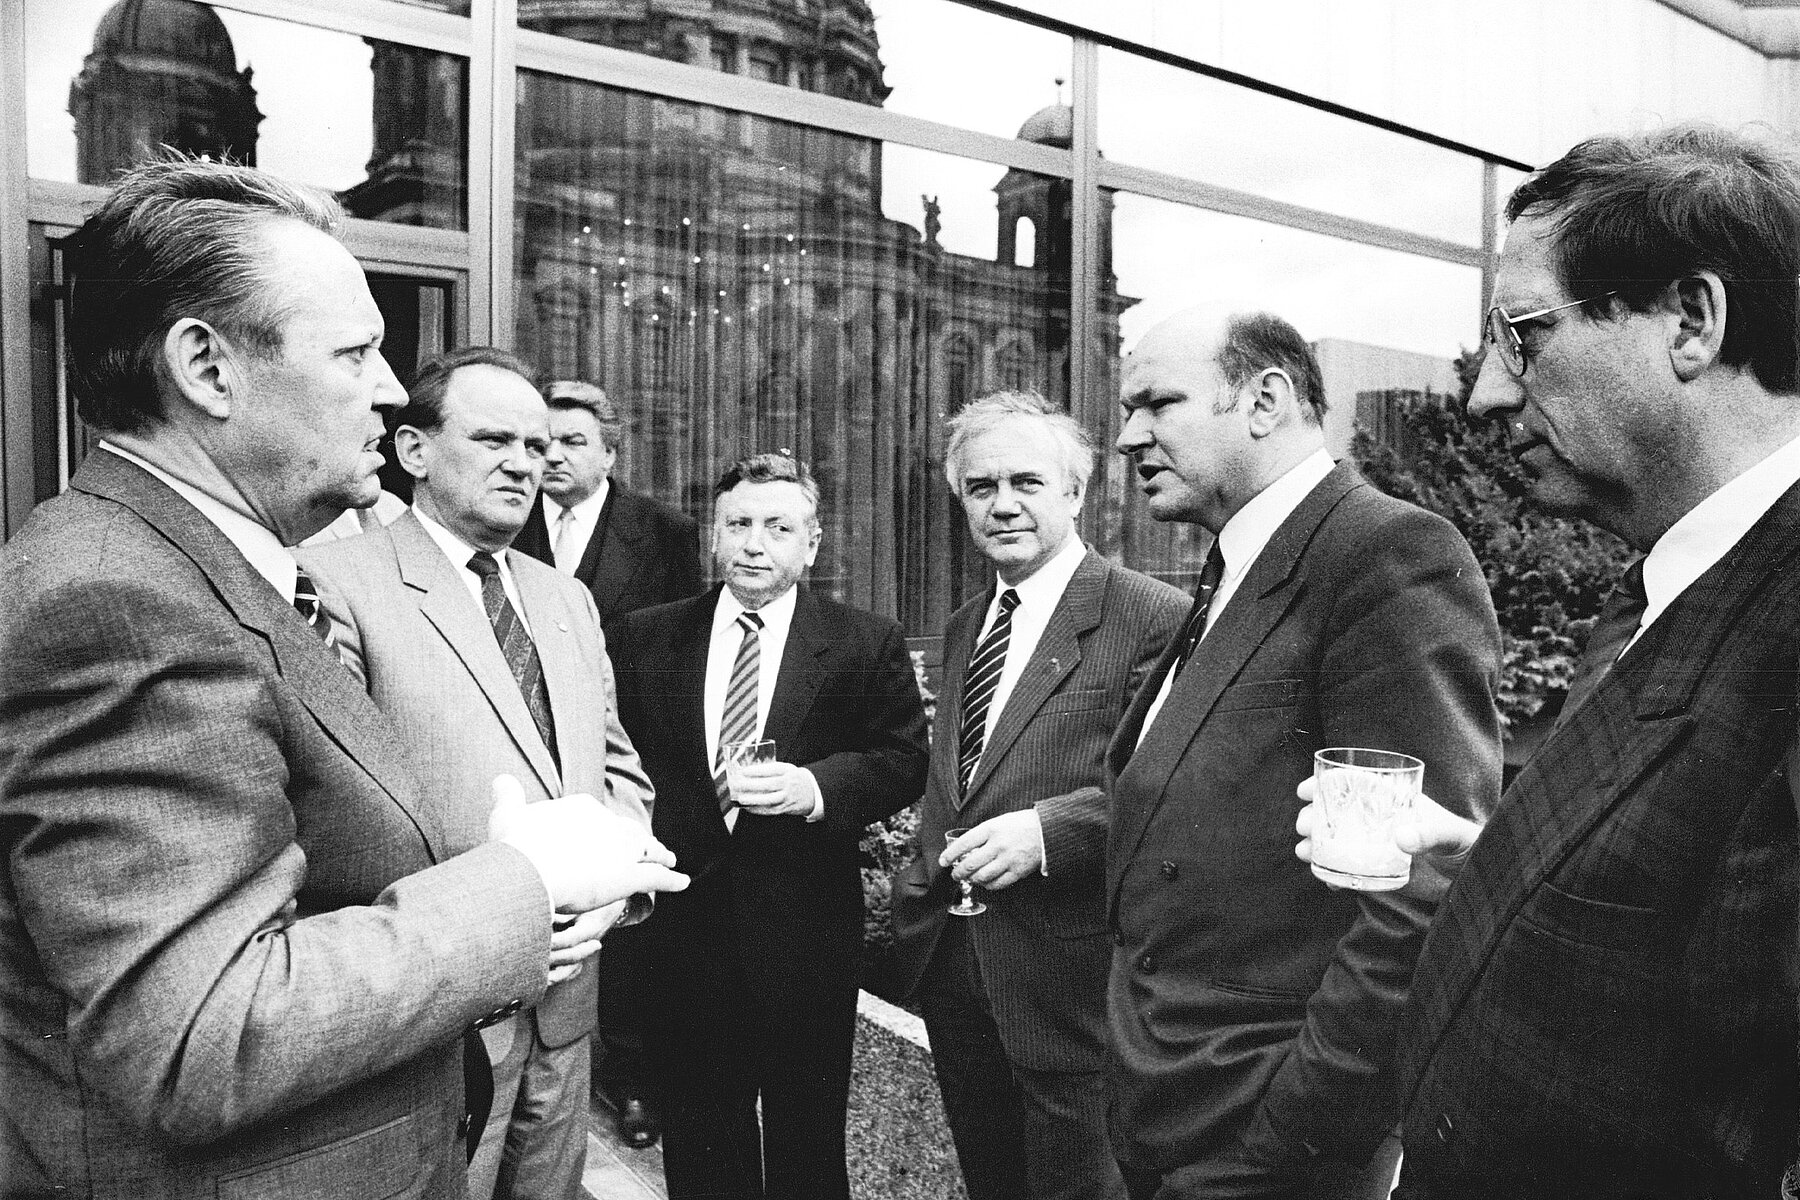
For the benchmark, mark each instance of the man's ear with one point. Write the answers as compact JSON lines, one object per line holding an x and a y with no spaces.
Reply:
{"x":409,"y":449}
{"x":1271,"y":399}
{"x":1697,"y":308}
{"x":201,"y":366}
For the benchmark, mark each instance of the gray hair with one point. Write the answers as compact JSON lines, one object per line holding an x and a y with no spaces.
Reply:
{"x":982,"y":416}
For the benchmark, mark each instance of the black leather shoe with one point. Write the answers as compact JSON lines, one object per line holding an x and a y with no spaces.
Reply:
{"x":637,"y":1123}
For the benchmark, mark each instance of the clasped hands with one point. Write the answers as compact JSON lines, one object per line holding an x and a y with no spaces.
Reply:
{"x":591,"y":859}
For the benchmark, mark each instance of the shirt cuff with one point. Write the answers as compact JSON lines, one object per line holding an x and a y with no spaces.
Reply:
{"x":818,"y":808}
{"x":1037,"y":823}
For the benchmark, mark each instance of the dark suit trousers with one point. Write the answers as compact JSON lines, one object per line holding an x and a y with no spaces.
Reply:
{"x":1332,"y":1180}
{"x":718,"y":1049}
{"x":1020,"y":1134}
{"x":619,"y":1068}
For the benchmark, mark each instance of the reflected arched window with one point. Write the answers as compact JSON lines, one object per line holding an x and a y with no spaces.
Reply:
{"x":1012,"y":367}
{"x":959,"y":373}
{"x":1025,"y":243}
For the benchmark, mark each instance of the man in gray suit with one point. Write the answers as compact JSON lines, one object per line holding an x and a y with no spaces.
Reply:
{"x":237,"y":952}
{"x":1038,"y":672}
{"x":491,"y":663}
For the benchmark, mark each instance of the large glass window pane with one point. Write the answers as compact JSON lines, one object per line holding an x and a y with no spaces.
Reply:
{"x":926,"y":58}
{"x":739,"y":284}
{"x":384,"y":125}
{"x":1382,"y":323}
{"x":1157,"y":116}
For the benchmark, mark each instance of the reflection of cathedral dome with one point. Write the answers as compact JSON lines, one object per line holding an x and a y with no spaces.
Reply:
{"x":1053,"y":125}
{"x":162,"y":73}
{"x":181,"y":29}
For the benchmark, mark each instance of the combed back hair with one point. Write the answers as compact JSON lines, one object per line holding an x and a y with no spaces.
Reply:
{"x":771,"y":468}
{"x":982,"y":416}
{"x":177,"y":238}
{"x":425,"y":398}
{"x":1255,"y":342}
{"x":577,"y":393}
{"x":1630,"y":215}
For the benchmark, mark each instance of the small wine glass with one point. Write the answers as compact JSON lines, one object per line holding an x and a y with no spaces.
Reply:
{"x":968,"y":906}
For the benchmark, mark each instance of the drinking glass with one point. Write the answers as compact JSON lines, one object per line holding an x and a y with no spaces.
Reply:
{"x":738,"y":755}
{"x":1360,"y":793}
{"x":968,"y":906}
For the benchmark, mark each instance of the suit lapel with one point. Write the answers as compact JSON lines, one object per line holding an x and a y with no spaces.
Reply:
{"x":328,"y":691}
{"x":1254,"y":610}
{"x":1637,"y":715}
{"x":572,"y":698}
{"x":801,"y":677}
{"x":959,"y":645}
{"x":685,"y":711}
{"x":615,"y":553}
{"x":1057,"y":653}
{"x":444,"y":600}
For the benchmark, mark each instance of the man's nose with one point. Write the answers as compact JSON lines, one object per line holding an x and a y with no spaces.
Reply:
{"x":1132,"y":435}
{"x":1496,"y":391}
{"x":1006,"y":501}
{"x":388,"y":392}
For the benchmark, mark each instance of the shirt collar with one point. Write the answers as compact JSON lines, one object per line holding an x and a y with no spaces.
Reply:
{"x":1045,"y":586}
{"x":586,"y":510}
{"x":257,"y":543}
{"x":1251,"y":527}
{"x":455,"y":549}
{"x":1708,"y":531}
{"x":776,"y":615}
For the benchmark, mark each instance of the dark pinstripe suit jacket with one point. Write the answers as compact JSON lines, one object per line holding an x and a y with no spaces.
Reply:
{"x":1042,"y":944}
{"x":1253,"y":1009}
{"x":1607,"y":1005}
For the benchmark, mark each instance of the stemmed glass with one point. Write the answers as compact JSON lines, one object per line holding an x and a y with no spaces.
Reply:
{"x":968,"y":906}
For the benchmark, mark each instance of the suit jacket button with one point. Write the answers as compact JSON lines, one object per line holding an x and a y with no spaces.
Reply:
{"x":1445,"y":1127}
{"x":1170,"y":871}
{"x":1118,"y":937}
{"x":1147,"y":964}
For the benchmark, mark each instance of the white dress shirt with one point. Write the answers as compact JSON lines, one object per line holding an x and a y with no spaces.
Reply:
{"x":721,"y":653}
{"x":459,"y":553}
{"x":1039,"y":594}
{"x":256,"y":542}
{"x":1242,"y":540}
{"x":1707,"y":532}
{"x":586,"y":516}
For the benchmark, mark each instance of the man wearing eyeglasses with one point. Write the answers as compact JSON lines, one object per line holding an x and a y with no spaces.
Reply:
{"x":1606,"y":1006}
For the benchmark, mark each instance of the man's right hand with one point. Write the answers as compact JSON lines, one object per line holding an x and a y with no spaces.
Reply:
{"x":588,"y":856}
{"x":1436,"y":838}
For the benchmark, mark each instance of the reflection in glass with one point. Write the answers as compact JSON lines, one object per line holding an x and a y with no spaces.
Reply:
{"x":111,"y":81}
{"x":1158,"y":116}
{"x":740,"y":284}
{"x":1382,"y":323}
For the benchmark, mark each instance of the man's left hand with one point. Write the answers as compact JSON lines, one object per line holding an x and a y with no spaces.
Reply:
{"x":998,"y":852}
{"x":576,"y":938}
{"x":773,"y":789}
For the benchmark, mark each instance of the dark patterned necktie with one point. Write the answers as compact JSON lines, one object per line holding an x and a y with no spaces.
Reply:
{"x":516,"y":645}
{"x":978,"y":688}
{"x":1619,"y":620}
{"x":306,"y":603}
{"x":737,"y":723}
{"x":1195,"y":628}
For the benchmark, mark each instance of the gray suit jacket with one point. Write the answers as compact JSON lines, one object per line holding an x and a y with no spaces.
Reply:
{"x":434,"y":667}
{"x":236,"y":953}
{"x":1042,"y":945}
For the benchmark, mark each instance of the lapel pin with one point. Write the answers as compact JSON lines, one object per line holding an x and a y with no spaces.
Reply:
{"x":562,"y":627}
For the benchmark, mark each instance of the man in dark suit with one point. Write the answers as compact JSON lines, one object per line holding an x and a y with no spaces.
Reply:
{"x":1607,"y":1005}
{"x":755,"y":978}
{"x":1038,"y":673}
{"x":237,"y":957}
{"x":631,"y":552}
{"x":1253,"y":1010}
{"x":491,"y":663}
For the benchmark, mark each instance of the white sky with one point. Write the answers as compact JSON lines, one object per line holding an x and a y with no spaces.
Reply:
{"x":1524,"y":79}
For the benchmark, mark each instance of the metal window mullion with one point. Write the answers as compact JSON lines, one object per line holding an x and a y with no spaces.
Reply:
{"x":18,"y":432}
{"x":1085,"y":251}
{"x":493,"y":98}
{"x":404,"y":24}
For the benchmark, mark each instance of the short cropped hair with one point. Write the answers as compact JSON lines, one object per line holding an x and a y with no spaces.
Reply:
{"x":771,"y":468}
{"x":177,"y":238}
{"x":425,"y":398}
{"x":576,"y":393}
{"x":1630,"y":215}
{"x":1255,"y":342}
{"x":982,"y":416}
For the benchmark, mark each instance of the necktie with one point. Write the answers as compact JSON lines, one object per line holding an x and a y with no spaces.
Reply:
{"x":561,"y":546}
{"x":515,"y":644}
{"x":1195,"y":628}
{"x":738,"y":721}
{"x":978,"y":687}
{"x":1619,"y":619}
{"x":306,"y":603}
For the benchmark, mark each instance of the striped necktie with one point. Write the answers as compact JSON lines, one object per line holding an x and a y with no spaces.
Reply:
{"x":738,"y":721}
{"x":516,"y":645}
{"x":978,"y":688}
{"x":1195,"y":627}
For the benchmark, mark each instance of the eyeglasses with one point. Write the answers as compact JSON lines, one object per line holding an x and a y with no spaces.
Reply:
{"x":1502,"y":331}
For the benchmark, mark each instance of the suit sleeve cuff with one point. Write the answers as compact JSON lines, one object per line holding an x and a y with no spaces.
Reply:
{"x":818,"y":808}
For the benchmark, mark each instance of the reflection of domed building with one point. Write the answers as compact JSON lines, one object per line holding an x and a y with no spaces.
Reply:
{"x":162,"y":72}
